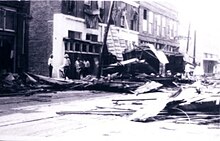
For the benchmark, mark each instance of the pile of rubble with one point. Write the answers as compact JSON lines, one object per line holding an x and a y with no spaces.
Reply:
{"x":27,"y":84}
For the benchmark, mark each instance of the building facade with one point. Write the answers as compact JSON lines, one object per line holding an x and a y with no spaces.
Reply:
{"x":210,"y":63}
{"x":159,"y":26}
{"x":14,"y":18}
{"x":78,"y":28}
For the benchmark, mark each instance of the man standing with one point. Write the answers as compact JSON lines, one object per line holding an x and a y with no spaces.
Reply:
{"x":50,"y":65}
{"x":66,"y":65}
{"x":87,"y":66}
{"x":78,"y":68}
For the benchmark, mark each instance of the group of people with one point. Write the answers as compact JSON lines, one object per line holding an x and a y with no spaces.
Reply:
{"x":81,"y":67}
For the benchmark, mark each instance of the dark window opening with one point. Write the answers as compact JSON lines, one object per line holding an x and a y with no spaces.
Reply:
{"x":90,"y":48}
{"x":96,"y":49}
{"x":145,"y":14}
{"x":71,"y":46}
{"x":122,"y":21}
{"x":77,"y":47}
{"x":1,"y":18}
{"x":84,"y":48}
{"x":133,"y":25}
{"x":74,"y":35}
{"x":92,"y":37}
{"x":71,"y":5}
{"x":66,"y":45}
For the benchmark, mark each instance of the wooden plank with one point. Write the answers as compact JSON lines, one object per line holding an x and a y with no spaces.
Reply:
{"x":141,"y":99}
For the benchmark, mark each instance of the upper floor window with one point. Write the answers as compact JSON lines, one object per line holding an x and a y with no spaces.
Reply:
{"x":151,"y":21}
{"x":163,"y":26}
{"x":122,"y":21}
{"x":145,"y":14}
{"x":74,"y":34}
{"x":158,"y":23}
{"x":71,"y":5}
{"x":92,"y":37}
{"x":8,"y":18}
{"x":1,"y":18}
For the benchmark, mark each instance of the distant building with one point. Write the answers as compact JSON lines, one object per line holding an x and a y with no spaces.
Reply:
{"x":159,"y":26}
{"x":210,"y":63}
{"x":14,"y":18}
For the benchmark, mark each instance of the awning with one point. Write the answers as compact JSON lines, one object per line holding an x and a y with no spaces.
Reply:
{"x":162,"y":57}
{"x":159,"y":54}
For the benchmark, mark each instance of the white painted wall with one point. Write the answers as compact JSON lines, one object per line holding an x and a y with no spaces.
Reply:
{"x":63,"y":23}
{"x":129,"y":35}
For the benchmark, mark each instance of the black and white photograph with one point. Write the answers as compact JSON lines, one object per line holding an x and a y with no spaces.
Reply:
{"x":117,"y":70}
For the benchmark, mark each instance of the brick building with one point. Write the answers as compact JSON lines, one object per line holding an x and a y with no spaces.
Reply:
{"x":77,"y":28}
{"x":14,"y":18}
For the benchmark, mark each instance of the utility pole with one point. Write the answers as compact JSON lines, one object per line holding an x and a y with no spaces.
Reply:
{"x":104,"y":49}
{"x":188,"y":37}
{"x":194,"y":51}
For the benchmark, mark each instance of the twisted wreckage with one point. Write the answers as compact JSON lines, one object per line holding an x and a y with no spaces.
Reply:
{"x":149,"y":99}
{"x":152,"y":96}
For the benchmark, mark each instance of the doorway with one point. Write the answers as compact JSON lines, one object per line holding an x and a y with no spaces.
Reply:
{"x":7,"y":53}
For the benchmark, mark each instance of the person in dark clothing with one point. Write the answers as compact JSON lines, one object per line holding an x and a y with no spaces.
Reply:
{"x":50,"y":65}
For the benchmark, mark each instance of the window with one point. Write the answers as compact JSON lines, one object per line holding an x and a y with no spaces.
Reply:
{"x":77,"y":47}
{"x":1,"y":18}
{"x":74,"y":34}
{"x":151,"y":20}
{"x":134,"y":19}
{"x":145,"y":14}
{"x":175,"y":28}
{"x":158,"y":20}
{"x":163,"y":26}
{"x":171,"y":28}
{"x":66,"y":45}
{"x":8,"y":19}
{"x":145,"y":25}
{"x":84,"y":48}
{"x":71,"y":46}
{"x":92,"y":37}
{"x":122,"y":21}
{"x":71,"y":6}
{"x":90,"y":48}
{"x":168,"y":27}
{"x":133,"y":25}
{"x":96,"y":49}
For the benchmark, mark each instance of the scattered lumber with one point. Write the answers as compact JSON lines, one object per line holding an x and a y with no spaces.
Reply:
{"x":111,"y":112}
{"x":148,"y":87}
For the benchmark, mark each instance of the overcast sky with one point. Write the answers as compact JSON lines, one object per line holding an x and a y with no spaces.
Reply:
{"x":204,"y":18}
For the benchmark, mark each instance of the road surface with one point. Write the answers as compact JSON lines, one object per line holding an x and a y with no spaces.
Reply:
{"x":35,"y":118}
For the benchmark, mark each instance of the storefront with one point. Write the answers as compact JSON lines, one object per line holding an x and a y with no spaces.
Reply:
{"x":72,"y":36}
{"x":12,"y":37}
{"x":83,"y":50}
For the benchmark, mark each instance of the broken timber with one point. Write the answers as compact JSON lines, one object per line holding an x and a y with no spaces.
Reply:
{"x":114,"y":113}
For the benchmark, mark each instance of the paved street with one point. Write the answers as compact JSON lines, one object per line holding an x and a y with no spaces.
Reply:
{"x":34,"y":118}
